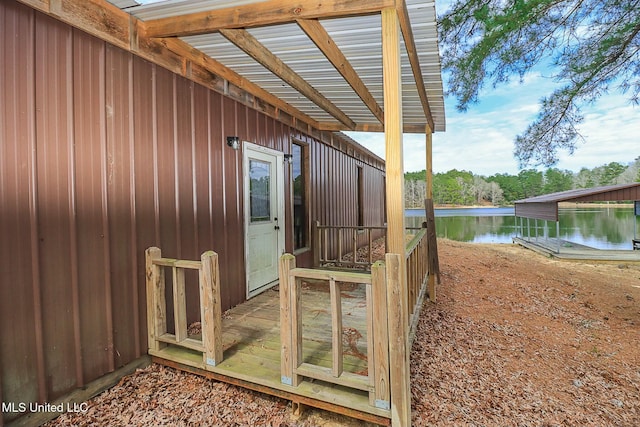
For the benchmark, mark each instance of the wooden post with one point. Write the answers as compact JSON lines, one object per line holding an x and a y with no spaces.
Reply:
{"x":211,"y":309}
{"x":296,"y":327}
{"x":287,"y":376}
{"x":396,"y":262}
{"x":431,"y":245}
{"x":432,"y":249}
{"x":336,"y":327}
{"x":380,"y":336}
{"x":355,"y":246}
{"x":315,"y":236}
{"x":370,"y":247}
{"x":398,"y":344}
{"x":429,"y":178}
{"x":156,"y":304}
{"x":179,"y":304}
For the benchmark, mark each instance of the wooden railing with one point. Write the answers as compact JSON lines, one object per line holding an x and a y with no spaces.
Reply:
{"x":338,"y":246}
{"x":417,"y":276}
{"x":344,"y":246}
{"x":210,"y":309}
{"x":376,"y":380}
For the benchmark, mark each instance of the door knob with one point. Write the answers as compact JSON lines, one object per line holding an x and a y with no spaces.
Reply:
{"x":277,"y":227}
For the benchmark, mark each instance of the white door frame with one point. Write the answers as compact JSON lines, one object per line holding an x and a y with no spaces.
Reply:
{"x":248,"y":148}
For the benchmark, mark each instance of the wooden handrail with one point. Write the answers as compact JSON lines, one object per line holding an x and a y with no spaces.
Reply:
{"x":210,"y":308}
{"x":293,"y":369}
{"x":417,"y":277}
{"x":338,"y":245}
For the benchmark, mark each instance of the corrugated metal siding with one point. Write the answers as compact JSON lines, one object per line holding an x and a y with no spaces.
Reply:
{"x":21,"y":374}
{"x":102,"y":155}
{"x":546,"y":211}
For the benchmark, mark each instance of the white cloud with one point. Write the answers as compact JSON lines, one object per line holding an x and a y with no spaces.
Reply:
{"x":481,"y":140}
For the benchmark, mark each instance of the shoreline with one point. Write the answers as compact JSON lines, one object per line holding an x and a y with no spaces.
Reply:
{"x":560,"y":205}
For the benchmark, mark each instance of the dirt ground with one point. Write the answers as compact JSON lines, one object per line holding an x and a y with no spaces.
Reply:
{"x":515,"y":339}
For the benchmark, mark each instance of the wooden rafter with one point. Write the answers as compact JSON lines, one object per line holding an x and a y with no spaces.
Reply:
{"x":252,"y":47}
{"x":375,"y":127}
{"x":196,"y":56}
{"x":316,"y":32}
{"x":410,"y":45}
{"x":107,"y":22}
{"x":259,"y":14}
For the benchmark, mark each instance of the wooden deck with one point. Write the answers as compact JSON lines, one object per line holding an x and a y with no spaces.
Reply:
{"x":252,"y":350}
{"x":565,"y":250}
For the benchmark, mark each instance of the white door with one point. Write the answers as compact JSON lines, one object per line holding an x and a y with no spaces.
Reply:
{"x":264,"y":215}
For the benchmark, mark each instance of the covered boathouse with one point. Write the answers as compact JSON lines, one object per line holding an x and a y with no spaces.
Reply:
{"x":156,"y":160}
{"x":545,"y":208}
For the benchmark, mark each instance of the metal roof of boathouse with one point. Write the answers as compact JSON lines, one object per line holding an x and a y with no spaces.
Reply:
{"x":546,"y":206}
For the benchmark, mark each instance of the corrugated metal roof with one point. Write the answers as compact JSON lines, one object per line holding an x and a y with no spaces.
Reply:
{"x":581,"y":193}
{"x":358,"y":37}
{"x":546,"y":206}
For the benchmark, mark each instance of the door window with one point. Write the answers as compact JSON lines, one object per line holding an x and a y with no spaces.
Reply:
{"x":260,"y":187}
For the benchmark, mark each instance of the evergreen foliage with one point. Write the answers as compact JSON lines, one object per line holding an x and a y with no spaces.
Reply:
{"x":594,"y":46}
{"x":465,"y":188}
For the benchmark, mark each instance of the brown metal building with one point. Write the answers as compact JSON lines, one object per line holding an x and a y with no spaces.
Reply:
{"x":103,"y":154}
{"x":126,"y":125}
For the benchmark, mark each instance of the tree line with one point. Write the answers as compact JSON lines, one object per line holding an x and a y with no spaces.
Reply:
{"x":457,"y":187}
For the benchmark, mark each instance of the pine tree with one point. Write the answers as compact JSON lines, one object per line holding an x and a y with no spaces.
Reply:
{"x":593,"y":44}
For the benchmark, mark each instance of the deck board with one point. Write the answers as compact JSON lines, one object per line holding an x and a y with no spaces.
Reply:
{"x":251,"y":342}
{"x":570,"y":251}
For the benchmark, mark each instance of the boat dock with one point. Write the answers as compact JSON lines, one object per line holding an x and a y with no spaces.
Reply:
{"x":570,"y":251}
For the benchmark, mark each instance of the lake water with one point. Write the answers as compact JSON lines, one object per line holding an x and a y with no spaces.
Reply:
{"x":598,"y":227}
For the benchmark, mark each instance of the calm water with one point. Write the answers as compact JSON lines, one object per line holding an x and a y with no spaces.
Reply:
{"x":598,"y":227}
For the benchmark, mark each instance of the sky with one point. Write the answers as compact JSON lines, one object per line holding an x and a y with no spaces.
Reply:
{"x":480,"y":140}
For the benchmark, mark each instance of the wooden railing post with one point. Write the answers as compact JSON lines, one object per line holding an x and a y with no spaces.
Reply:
{"x":398,"y":340}
{"x":379,"y":362}
{"x":211,"y":309}
{"x":287,"y":335}
{"x":179,"y":304}
{"x":315,"y":237}
{"x":156,"y":306}
{"x":336,"y":328}
{"x":432,"y":248}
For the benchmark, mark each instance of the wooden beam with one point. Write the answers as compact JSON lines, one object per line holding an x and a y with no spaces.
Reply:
{"x":410,"y":45}
{"x":429,"y":171}
{"x":252,"y":47}
{"x":371,"y":127}
{"x":432,"y":245}
{"x":96,"y":17}
{"x":198,"y":57}
{"x":105,"y":21}
{"x":269,"y":12}
{"x":316,"y":32}
{"x":395,"y":259}
{"x":393,"y":132}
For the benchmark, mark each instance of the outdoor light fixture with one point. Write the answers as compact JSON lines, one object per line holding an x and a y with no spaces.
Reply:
{"x":233,"y":142}
{"x":288,"y":158}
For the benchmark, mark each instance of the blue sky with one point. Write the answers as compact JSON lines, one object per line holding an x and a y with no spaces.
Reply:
{"x":480,"y":140}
